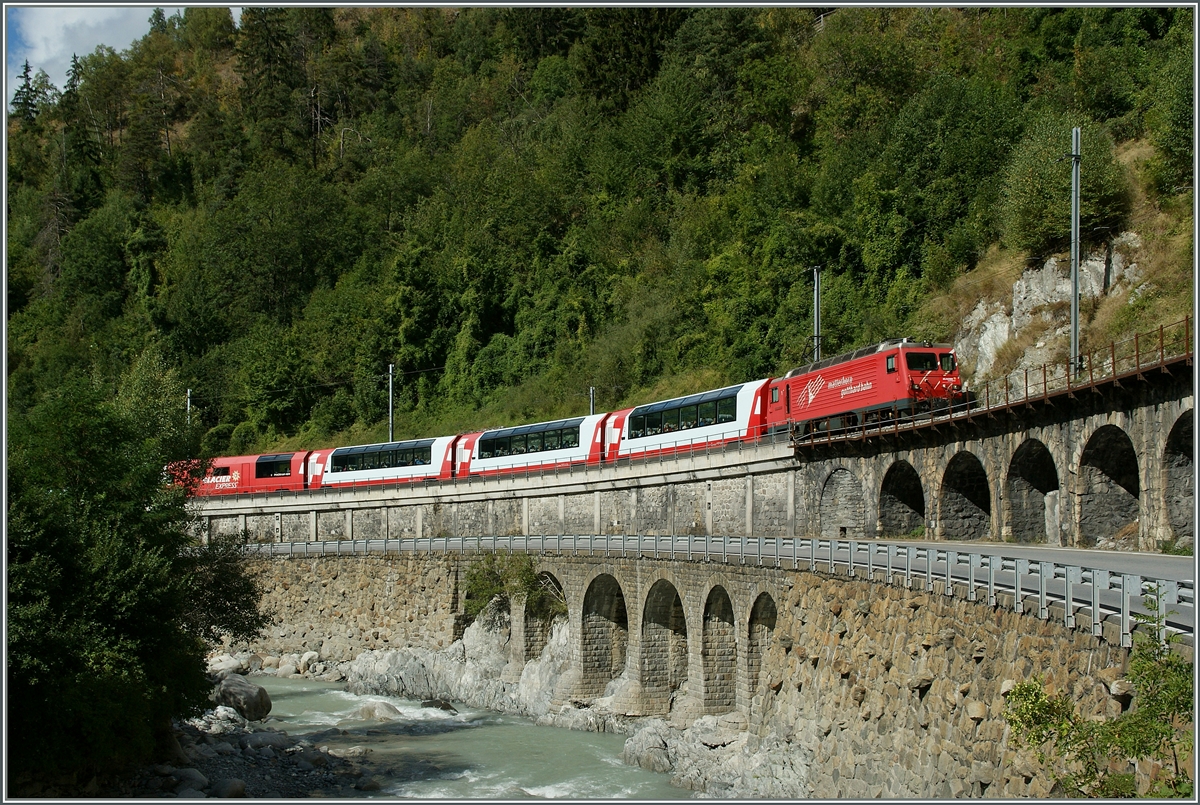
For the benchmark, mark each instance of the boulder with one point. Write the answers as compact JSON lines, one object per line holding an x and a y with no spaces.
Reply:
{"x":228,"y":788}
{"x":189,"y":793}
{"x":285,"y":671}
{"x":251,"y":701}
{"x":257,"y":740}
{"x":379,"y":711}
{"x":190,"y":778}
{"x":308,"y":659}
{"x":270,"y":662}
{"x":439,"y":704}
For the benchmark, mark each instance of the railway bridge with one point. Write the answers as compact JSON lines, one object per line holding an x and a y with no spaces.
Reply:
{"x":1102,"y":459}
{"x":890,"y":580}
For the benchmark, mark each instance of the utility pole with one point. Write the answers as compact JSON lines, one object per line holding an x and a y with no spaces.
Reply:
{"x":189,"y":408}
{"x":591,"y":400}
{"x":816,"y":337}
{"x":391,"y":366}
{"x":1076,"y":157}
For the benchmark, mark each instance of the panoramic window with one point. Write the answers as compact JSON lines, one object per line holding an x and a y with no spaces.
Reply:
{"x":707,"y":413}
{"x":726,"y":410}
{"x":687,"y":417}
{"x":219,"y":472}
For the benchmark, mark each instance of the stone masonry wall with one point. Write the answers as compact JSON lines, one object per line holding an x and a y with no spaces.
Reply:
{"x":900,"y":693}
{"x":342,"y":606}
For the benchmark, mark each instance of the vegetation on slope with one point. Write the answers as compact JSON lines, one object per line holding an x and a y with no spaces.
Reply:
{"x":288,"y":206}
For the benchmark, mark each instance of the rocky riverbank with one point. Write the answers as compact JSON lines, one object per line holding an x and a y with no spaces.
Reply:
{"x":714,"y":756}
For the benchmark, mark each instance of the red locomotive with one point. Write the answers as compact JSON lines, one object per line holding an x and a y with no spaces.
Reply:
{"x":879,"y":383}
{"x":876,"y":384}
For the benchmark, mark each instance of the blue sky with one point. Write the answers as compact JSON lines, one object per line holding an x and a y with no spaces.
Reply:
{"x":48,"y":35}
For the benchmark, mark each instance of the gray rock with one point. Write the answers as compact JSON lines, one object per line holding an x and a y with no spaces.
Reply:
{"x":189,"y":793}
{"x":257,"y":740}
{"x":251,"y":701}
{"x":228,"y":788}
{"x":379,"y":711}
{"x":190,"y":778}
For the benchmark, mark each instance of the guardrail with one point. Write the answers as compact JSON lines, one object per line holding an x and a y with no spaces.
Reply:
{"x":1130,"y":357}
{"x":1075,"y":589}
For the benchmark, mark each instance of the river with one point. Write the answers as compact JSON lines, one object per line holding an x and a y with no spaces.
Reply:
{"x":428,"y":753}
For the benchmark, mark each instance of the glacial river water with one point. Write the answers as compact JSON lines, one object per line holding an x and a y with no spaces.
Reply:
{"x":428,"y":753}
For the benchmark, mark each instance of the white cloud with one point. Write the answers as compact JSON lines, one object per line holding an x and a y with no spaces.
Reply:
{"x":47,"y":37}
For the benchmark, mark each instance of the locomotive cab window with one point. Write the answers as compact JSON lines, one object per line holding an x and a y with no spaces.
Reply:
{"x":775,"y":394}
{"x":921,"y":361}
{"x":947,"y":362}
{"x":891,"y":363}
{"x":273,"y":467}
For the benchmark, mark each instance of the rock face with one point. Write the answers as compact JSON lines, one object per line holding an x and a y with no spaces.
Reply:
{"x":250,"y":700}
{"x":1039,"y":308}
{"x":469,"y":670}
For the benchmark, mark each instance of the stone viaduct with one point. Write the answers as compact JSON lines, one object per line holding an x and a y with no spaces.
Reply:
{"x":792,"y":652}
{"x":1109,"y":465}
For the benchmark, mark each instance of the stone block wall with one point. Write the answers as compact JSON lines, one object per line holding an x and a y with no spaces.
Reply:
{"x":899,"y":694}
{"x":342,"y":606}
{"x":729,"y":505}
{"x":579,"y":514}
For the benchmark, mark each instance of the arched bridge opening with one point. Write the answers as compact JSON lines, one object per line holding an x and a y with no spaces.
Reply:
{"x":1032,"y":492}
{"x":901,"y":501}
{"x":720,"y":653}
{"x":1110,"y":493}
{"x":966,"y":502}
{"x":664,"y":646}
{"x":1179,"y":480}
{"x":605,"y":634}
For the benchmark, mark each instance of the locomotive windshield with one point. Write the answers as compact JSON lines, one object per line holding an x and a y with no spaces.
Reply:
{"x":921,"y":361}
{"x":279,"y":466}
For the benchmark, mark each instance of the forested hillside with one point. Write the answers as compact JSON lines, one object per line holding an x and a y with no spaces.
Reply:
{"x":512,"y":205}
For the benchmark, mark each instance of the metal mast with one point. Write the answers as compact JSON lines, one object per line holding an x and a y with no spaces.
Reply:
{"x":1076,"y":157}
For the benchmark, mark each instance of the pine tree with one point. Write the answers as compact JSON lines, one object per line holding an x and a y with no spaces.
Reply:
{"x":24,"y":99}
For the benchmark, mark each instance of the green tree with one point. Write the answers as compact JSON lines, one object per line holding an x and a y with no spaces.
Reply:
{"x":105,"y":643}
{"x":1036,"y":211}
{"x":1089,"y":757}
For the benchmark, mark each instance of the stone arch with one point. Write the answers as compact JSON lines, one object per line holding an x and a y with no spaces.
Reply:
{"x":1109,"y":491}
{"x":842,"y":506}
{"x":539,"y":615}
{"x":901,"y":501}
{"x":664,"y":645}
{"x":1179,"y":480}
{"x":762,"y":627}
{"x":965,"y":509}
{"x":1032,"y":492}
{"x":604,"y":634}
{"x":719,"y":649}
